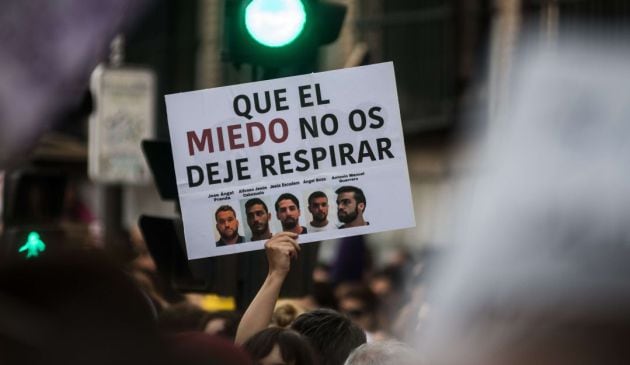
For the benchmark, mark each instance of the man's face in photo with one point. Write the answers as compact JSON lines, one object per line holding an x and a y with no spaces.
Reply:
{"x":258,"y":219}
{"x":347,"y":207}
{"x":319,"y":209}
{"x":288,"y":214}
{"x":227,"y":225}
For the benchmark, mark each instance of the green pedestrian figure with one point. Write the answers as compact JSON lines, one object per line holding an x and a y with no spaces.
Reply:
{"x":33,"y":246}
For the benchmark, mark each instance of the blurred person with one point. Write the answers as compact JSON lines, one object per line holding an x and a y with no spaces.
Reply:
{"x":143,"y":270}
{"x":280,"y":346}
{"x":142,"y":259}
{"x":323,"y":295}
{"x":540,"y":271}
{"x":75,"y":309}
{"x":74,"y":208}
{"x":30,"y":104}
{"x":351,"y":206}
{"x":361,"y":305}
{"x":188,"y":317}
{"x":198,"y":348}
{"x":227,"y":226}
{"x":318,"y":207}
{"x":332,"y":335}
{"x":149,"y":286}
{"x":353,"y":261}
{"x":384,"y":353}
{"x":182,"y":317}
{"x":288,"y":213}
{"x":222,"y":323}
{"x":321,"y":273}
{"x":387,"y":281}
{"x":389,"y":286}
{"x":286,"y":312}
{"x":258,"y":218}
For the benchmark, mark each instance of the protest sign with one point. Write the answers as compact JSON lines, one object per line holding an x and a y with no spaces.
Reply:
{"x":248,"y":157}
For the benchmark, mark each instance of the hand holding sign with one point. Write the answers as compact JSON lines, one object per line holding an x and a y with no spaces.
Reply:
{"x":281,"y":248}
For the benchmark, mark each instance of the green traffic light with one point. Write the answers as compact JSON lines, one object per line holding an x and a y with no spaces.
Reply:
{"x":33,"y":246}
{"x":275,"y":23}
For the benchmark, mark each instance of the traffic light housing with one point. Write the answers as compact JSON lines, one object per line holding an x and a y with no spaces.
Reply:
{"x":279,"y":33}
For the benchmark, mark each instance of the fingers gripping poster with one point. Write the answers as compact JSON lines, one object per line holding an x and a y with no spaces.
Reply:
{"x":321,"y":155}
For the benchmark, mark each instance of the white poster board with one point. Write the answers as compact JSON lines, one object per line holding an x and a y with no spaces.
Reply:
{"x":296,"y":135}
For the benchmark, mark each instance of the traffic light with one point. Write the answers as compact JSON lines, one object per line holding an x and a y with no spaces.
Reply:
{"x":279,"y":33}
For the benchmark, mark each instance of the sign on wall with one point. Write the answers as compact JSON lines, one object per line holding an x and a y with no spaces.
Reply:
{"x":320,"y":154}
{"x":124,"y":99}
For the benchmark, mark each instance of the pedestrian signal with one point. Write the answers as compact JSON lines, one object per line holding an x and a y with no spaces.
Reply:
{"x":33,"y":246}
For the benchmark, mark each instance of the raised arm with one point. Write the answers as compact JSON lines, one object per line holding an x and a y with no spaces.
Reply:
{"x":280,"y":249}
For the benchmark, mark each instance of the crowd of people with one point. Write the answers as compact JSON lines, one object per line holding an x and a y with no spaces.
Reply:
{"x":536,"y":271}
{"x":527,"y":291}
{"x":341,"y":314}
{"x":86,"y":307}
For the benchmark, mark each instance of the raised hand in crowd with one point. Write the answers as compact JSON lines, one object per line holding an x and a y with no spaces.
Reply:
{"x":281,"y":249}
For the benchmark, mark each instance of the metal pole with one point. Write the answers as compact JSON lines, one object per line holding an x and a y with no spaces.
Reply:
{"x":112,"y":194}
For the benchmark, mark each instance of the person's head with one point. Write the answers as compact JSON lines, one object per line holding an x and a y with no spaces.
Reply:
{"x":74,"y":308}
{"x":258,"y":216}
{"x":182,"y":317}
{"x":318,"y":206}
{"x":222,"y":323}
{"x":350,"y":203}
{"x":332,"y":335}
{"x":227,"y":224}
{"x":285,"y":312}
{"x":360,"y":304}
{"x":280,"y":346}
{"x":288,"y":211}
{"x":383,"y":353}
{"x":198,"y":348}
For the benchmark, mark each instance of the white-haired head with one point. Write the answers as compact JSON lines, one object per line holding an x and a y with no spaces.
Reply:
{"x":383,"y":353}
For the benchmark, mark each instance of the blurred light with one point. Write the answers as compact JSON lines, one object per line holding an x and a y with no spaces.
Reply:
{"x":33,"y":246}
{"x":275,"y":23}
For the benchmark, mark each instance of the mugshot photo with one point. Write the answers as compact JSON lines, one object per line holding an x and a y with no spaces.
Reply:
{"x":351,"y":205}
{"x":258,"y":213}
{"x":288,"y":214}
{"x":321,"y":210}
{"x":228,"y":229}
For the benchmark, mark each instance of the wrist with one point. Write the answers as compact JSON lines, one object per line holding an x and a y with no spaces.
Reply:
{"x":277,"y":274}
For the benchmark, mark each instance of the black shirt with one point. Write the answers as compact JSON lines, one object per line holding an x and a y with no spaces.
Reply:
{"x":240,"y":239}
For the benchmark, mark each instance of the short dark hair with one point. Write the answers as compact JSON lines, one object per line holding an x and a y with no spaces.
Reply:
{"x":294,"y":348}
{"x":224,"y":208}
{"x":365,"y":295}
{"x":254,"y":201}
{"x":287,"y":196}
{"x":358,"y":193}
{"x":332,"y":335}
{"x":316,"y":194}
